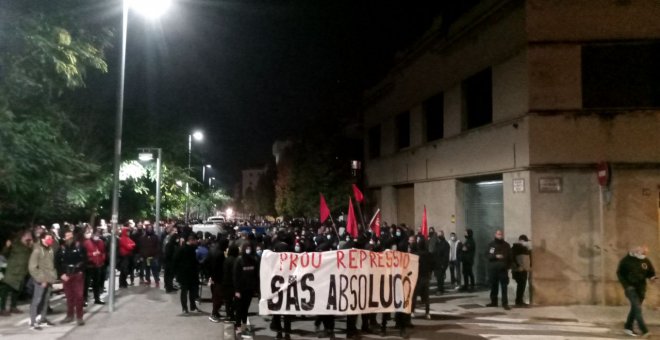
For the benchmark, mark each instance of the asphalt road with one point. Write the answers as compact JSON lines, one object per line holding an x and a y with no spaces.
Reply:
{"x":149,"y":313}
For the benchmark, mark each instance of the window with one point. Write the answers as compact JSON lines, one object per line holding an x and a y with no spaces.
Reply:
{"x":434,"y":112}
{"x":621,"y":75}
{"x":403,"y":130}
{"x":478,"y":100}
{"x":374,"y":142}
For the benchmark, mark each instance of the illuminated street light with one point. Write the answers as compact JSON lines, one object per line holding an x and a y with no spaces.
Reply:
{"x":150,"y":8}
{"x":151,"y":11}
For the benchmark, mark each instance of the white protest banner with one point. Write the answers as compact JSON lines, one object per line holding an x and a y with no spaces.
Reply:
{"x":351,"y":281}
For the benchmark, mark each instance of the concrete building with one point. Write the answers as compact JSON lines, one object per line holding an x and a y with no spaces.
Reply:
{"x":499,"y":120}
{"x":251,"y":178}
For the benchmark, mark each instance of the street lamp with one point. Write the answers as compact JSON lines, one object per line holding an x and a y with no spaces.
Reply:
{"x":118,"y":133}
{"x":204,"y":172}
{"x":198,"y":136}
{"x":146,"y":154}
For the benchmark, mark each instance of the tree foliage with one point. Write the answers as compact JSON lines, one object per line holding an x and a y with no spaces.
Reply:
{"x":310,"y":167}
{"x":46,"y":49}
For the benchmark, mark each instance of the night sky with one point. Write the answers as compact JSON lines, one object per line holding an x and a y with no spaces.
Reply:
{"x":251,"y":71}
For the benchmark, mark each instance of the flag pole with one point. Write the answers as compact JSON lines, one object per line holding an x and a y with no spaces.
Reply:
{"x":333,"y":225}
{"x":362,"y":218}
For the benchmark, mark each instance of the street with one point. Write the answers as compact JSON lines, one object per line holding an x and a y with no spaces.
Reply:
{"x":149,"y":313}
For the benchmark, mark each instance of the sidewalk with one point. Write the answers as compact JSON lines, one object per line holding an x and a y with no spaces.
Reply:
{"x":610,"y":316}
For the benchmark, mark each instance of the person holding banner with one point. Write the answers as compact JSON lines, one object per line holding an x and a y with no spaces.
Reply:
{"x":328,"y":321}
{"x":424,"y":277}
{"x":246,"y":283}
{"x":281,"y":246}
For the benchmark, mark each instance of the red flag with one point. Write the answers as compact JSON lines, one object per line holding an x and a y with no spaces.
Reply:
{"x":358,"y":194}
{"x":375,"y":223}
{"x":425,"y":225}
{"x":325,"y":211}
{"x":351,"y":223}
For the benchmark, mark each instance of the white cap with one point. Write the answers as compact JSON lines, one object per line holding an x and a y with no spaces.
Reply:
{"x":56,"y":226}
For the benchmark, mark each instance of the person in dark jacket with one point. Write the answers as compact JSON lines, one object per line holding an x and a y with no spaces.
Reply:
{"x":150,"y":253}
{"x":439,"y":249}
{"x":171,"y":246}
{"x":216,"y":261}
{"x":246,"y":283}
{"x":70,"y":262}
{"x":499,"y":263}
{"x":187,"y":273}
{"x":228,"y":281}
{"x":424,"y":274}
{"x":633,"y":271}
{"x":467,"y":260}
{"x":281,"y":246}
{"x":325,"y":244}
{"x":520,"y":266}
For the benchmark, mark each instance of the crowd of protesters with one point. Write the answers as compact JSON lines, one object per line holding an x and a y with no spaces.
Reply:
{"x":232,"y":268}
{"x":77,"y":257}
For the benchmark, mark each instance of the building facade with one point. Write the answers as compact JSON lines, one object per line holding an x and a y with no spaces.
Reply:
{"x":251,"y":178}
{"x":499,"y":121}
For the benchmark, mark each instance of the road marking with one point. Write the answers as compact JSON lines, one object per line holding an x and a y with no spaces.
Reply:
{"x":539,"y":327}
{"x":538,"y":337}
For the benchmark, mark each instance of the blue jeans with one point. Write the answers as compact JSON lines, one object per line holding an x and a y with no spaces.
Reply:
{"x":635,"y":313}
{"x":151,"y":266}
{"x":39,"y":305}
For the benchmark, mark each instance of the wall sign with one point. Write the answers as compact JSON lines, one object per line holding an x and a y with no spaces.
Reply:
{"x":518,"y":185}
{"x":550,"y":184}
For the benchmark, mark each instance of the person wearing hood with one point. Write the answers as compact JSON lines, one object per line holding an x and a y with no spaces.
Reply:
{"x":281,"y":324}
{"x":520,"y":267}
{"x":216,"y":260}
{"x":187,"y":273}
{"x":70,"y":261}
{"x":426,"y":266}
{"x":246,"y":283}
{"x":228,"y":281}
{"x":439,"y":250}
{"x":499,"y":262}
{"x":633,"y":271}
{"x":467,"y":260}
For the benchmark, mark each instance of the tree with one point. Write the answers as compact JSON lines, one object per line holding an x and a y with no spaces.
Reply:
{"x":312,"y":166}
{"x":46,"y":49}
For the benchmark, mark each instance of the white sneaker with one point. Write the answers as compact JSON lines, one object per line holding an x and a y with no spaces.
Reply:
{"x":629,"y":332}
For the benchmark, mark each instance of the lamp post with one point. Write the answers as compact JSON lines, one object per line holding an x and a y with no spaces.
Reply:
{"x":204,"y":172}
{"x":152,"y":8}
{"x":197,"y":135}
{"x":146,"y":154}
